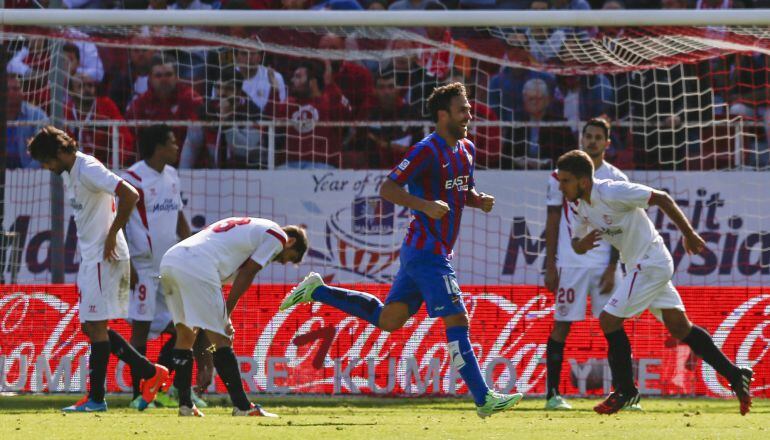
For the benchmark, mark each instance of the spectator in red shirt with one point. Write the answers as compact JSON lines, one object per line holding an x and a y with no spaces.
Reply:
{"x":85,"y":108}
{"x":388,"y":144}
{"x":313,"y":97}
{"x":353,"y":79}
{"x":168,"y":99}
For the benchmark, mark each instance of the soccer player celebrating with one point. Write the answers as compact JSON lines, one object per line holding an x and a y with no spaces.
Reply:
{"x":439,"y":174}
{"x":569,"y":276}
{"x":103,"y":276}
{"x":152,"y":229}
{"x":615,"y":211}
{"x":192,"y":273}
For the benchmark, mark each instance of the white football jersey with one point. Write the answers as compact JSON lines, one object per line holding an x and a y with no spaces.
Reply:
{"x":90,"y":190}
{"x":151,"y":229}
{"x":565,"y":256}
{"x":618,"y":210}
{"x":229,"y":242}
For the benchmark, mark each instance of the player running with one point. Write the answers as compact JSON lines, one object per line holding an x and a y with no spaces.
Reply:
{"x":103,"y":276}
{"x":439,"y":173}
{"x":192,"y":273}
{"x":615,"y":211}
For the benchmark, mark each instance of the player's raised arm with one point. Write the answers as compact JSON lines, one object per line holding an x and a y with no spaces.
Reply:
{"x":693,"y":242}
{"x":394,"y":193}
{"x":127,"y":198}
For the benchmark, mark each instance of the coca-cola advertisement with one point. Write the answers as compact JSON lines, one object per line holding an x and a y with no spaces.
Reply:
{"x":317,"y":349}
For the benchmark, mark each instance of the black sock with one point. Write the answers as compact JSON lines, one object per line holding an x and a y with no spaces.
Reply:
{"x":183,"y":365}
{"x":97,"y":373}
{"x":128,"y":354}
{"x":227,"y":369}
{"x":166,"y":354}
{"x":702,"y":345}
{"x":554,"y":356}
{"x":619,"y":357}
{"x":136,"y":378}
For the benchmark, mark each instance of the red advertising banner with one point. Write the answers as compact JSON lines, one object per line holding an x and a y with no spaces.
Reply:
{"x":316,"y":349}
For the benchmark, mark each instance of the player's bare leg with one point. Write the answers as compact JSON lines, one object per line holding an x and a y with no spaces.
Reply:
{"x":463,"y":359}
{"x":702,"y":345}
{"x":554,"y":359}
{"x":619,"y":358}
{"x":226,"y":365}
{"x":182,"y":358}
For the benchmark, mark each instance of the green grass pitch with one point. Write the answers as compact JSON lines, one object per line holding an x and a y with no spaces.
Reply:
{"x":321,"y":418}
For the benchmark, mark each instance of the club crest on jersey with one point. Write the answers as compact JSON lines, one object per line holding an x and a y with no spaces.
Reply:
{"x":607,"y":219}
{"x":459,"y":182}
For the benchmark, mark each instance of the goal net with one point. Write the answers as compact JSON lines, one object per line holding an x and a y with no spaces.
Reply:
{"x":301,"y":124}
{"x":687,"y":106}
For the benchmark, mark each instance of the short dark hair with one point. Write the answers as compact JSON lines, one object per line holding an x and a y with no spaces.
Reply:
{"x":71,"y":48}
{"x":152,"y":136}
{"x":441,"y":98}
{"x":47,"y":142}
{"x":598,"y":122}
{"x":160,"y":59}
{"x":301,"y":244}
{"x":577,"y":162}
{"x":313,"y":72}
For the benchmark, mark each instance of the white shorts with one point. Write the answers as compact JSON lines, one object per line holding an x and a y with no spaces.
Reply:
{"x":103,"y":288}
{"x":192,"y":300}
{"x":646,"y":286}
{"x":147,"y":301}
{"x":575,"y":284}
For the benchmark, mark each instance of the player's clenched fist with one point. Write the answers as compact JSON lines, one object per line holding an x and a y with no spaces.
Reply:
{"x":435,"y":209}
{"x":487,"y":202}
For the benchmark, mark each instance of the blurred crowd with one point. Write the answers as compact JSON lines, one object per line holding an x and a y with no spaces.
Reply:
{"x":345,"y":113}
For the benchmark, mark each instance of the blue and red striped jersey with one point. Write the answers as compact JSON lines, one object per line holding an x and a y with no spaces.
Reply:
{"x":434,"y":170}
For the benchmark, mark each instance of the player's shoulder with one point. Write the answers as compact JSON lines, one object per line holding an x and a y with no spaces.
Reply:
{"x":171,"y":171}
{"x":135,"y":173}
{"x":469,"y":144}
{"x":614,"y":172}
{"x":89,"y":163}
{"x":610,"y":189}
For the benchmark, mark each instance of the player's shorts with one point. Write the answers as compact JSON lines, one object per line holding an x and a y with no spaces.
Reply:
{"x":147,"y":301}
{"x":103,"y":288}
{"x":575,"y":285}
{"x":646,"y":286}
{"x":191,"y":296}
{"x":425,"y":276}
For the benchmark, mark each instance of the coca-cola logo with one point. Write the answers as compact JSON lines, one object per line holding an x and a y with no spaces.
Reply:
{"x":22,"y":317}
{"x":745,"y":331}
{"x":326,"y":344}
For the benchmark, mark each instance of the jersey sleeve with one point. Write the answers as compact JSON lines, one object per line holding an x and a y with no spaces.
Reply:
{"x":411,"y":166}
{"x":553,"y":195}
{"x":271,"y":245}
{"x":627,"y":195}
{"x":97,"y":177}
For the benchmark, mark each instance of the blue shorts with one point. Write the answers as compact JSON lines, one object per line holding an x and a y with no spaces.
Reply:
{"x":425,"y":276}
